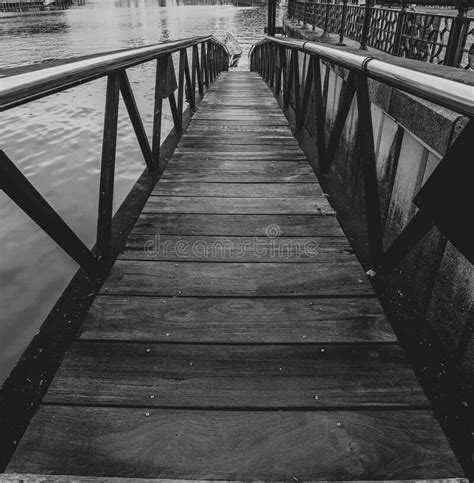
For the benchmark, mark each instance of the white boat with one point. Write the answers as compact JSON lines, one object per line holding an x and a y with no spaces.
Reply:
{"x":234,"y":49}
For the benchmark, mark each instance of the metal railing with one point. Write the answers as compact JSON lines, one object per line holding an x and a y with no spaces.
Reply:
{"x":208,"y":57}
{"x":438,"y":38}
{"x":278,"y":60}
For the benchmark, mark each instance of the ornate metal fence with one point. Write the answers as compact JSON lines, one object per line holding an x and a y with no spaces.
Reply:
{"x":438,"y":38}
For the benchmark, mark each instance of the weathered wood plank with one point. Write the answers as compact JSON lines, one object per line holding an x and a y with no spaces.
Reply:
{"x":236,"y":279}
{"x":251,"y":321}
{"x":190,"y":141}
{"x":266,"y":249}
{"x":229,"y":445}
{"x":292,"y":165}
{"x":237,"y":225}
{"x":241,"y":190}
{"x":258,"y":206}
{"x":260,"y":173}
{"x":31,"y":478}
{"x":255,"y":148}
{"x":198,"y":154}
{"x":236,"y":376}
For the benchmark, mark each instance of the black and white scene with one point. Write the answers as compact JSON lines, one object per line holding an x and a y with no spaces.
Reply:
{"x":236,"y":241}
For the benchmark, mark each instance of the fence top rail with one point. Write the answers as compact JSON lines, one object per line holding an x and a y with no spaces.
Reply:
{"x":22,"y":88}
{"x":442,"y":91}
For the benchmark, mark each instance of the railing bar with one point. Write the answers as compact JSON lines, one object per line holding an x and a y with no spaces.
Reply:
{"x":193,"y":71}
{"x":413,"y":233}
{"x":205,"y":64}
{"x":161,"y":81}
{"x":289,"y":81}
{"x":306,"y":95}
{"x":107,"y":170}
{"x":345,"y":101}
{"x":199,"y":72}
{"x":182,"y":55}
{"x":296,"y":72}
{"x":189,"y":85}
{"x":372,"y":200}
{"x":136,"y":119}
{"x":24,"y":194}
{"x":174,"y":112}
{"x":320,"y":111}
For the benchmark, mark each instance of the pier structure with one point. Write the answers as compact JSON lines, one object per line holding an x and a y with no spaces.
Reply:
{"x":223,"y":328}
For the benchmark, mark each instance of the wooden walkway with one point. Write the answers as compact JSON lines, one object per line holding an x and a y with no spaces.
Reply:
{"x":237,"y":337}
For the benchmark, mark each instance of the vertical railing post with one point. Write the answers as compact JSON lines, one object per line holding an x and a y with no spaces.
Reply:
{"x":457,"y":36}
{"x":160,"y":86}
{"x":198,"y":70}
{"x":107,"y":168}
{"x":205,"y":64}
{"x":182,"y":55}
{"x":365,"y":26}
{"x":343,"y":23}
{"x":397,"y":41}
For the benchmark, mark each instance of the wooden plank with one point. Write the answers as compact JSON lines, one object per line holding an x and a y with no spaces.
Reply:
{"x":237,"y":225}
{"x":32,"y":478}
{"x":234,"y":140}
{"x":238,"y":249}
{"x":236,"y":279}
{"x":255,"y":148}
{"x":241,"y":190}
{"x":221,"y":163}
{"x":233,"y":122}
{"x":199,"y":154}
{"x":225,"y":320}
{"x":203,"y":129}
{"x":258,"y":206}
{"x":229,"y":445}
{"x":236,"y":376}
{"x":261,"y":173}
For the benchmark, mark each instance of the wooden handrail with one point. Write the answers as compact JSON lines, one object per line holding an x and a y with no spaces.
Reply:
{"x":22,"y":88}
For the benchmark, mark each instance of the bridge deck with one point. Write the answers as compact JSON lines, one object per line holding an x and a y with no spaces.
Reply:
{"x":237,"y":336}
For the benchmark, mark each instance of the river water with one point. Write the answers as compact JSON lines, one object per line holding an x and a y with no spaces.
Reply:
{"x":56,"y":141}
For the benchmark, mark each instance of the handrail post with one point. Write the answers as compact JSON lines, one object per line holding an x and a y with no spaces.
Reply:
{"x":457,"y":36}
{"x":397,"y":41}
{"x":107,"y":169}
{"x":365,"y":26}
{"x":343,"y":23}
{"x":160,"y":87}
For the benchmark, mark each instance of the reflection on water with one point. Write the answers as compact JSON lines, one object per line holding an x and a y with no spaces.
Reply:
{"x":56,"y":141}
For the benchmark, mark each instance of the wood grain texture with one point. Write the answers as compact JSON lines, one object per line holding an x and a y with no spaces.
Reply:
{"x":198,"y":155}
{"x":241,"y":190}
{"x":238,"y":249}
{"x":236,"y":376}
{"x":223,"y":320}
{"x":236,"y":225}
{"x":259,"y":173}
{"x":217,"y":368}
{"x":256,"y":206}
{"x":31,"y":478}
{"x":236,"y":279}
{"x":232,"y":445}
